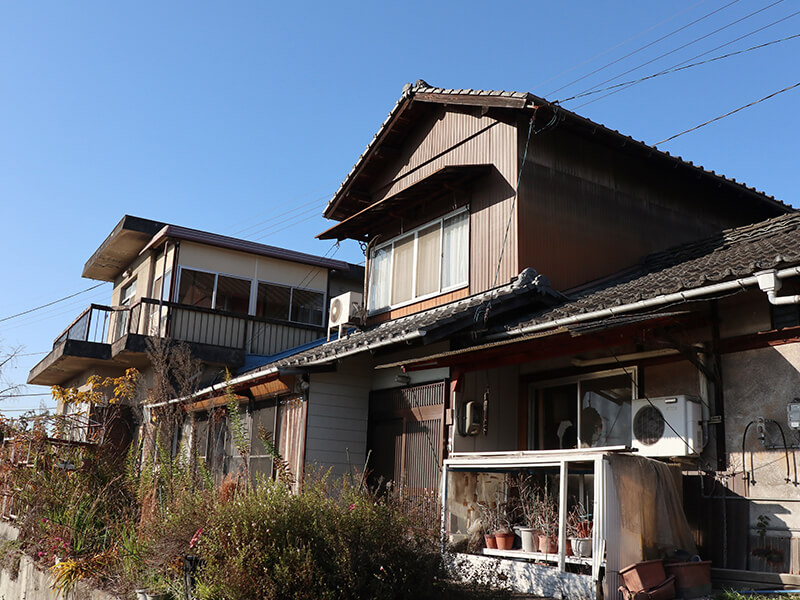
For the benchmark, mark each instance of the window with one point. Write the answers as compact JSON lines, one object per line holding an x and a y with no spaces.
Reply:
{"x":210,"y":290}
{"x":590,"y":411}
{"x":196,"y":288}
{"x":427,"y":261}
{"x":290,"y":304}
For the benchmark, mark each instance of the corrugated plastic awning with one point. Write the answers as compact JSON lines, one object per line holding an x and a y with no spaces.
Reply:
{"x":357,"y":227}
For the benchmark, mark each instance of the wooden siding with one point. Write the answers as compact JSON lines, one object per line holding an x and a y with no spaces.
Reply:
{"x":338,"y":404}
{"x":587,"y":210}
{"x":449,"y":137}
{"x":419,"y":306}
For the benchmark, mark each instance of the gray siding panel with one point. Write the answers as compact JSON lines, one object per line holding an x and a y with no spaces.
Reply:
{"x":338,"y":408}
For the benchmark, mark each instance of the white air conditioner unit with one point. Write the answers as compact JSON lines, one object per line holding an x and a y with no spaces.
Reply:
{"x":345,"y":309}
{"x":667,"y":426}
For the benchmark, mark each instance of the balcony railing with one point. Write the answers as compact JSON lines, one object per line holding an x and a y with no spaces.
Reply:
{"x":255,"y":335}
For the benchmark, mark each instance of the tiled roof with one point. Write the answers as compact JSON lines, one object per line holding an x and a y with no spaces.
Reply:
{"x":731,"y":254}
{"x":422,"y":87}
{"x":528,"y":285}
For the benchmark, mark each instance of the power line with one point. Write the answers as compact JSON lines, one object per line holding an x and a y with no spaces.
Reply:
{"x":6,"y":396}
{"x":675,"y":69}
{"x":316,"y":202}
{"x":289,"y":226}
{"x":314,"y":191}
{"x":728,"y":114}
{"x":686,"y":45}
{"x":25,"y":312}
{"x":680,"y":65}
{"x":643,"y":48}
{"x":641,"y":33}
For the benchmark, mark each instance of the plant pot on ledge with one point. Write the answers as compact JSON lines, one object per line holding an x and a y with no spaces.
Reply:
{"x":505,"y":539}
{"x":490,"y":540}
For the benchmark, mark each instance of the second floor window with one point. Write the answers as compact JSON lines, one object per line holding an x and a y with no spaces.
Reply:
{"x":290,"y":304}
{"x":210,"y":290}
{"x":422,"y":263}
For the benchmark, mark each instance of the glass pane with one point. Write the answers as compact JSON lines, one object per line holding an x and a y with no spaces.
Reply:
{"x":554,"y":417}
{"x":262,"y":417}
{"x":307,"y":306}
{"x":233,"y":294}
{"x":402,"y":268}
{"x":128,"y":292}
{"x":606,"y":411}
{"x":273,"y":301}
{"x":167,"y":285}
{"x":196,"y":288}
{"x":156,"y":291}
{"x":428,"y":254}
{"x":379,"y":288}
{"x":455,"y":251}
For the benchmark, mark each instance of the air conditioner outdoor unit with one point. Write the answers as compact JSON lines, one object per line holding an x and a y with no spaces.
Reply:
{"x":667,"y":426}
{"x":345,"y":309}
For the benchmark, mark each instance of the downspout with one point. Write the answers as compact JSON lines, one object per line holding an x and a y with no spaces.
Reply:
{"x":173,"y":280}
{"x":770,"y":283}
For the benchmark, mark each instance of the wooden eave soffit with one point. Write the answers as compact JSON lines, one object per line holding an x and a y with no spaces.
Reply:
{"x":279,"y":386}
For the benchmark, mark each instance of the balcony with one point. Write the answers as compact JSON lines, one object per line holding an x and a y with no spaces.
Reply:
{"x":104,"y":336}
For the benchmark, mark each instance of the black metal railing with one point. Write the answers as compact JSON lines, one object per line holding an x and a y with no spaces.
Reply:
{"x":193,"y":324}
{"x":90,"y":326}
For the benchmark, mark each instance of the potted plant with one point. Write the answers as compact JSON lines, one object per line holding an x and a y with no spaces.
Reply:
{"x":489,"y":523}
{"x":579,"y":530}
{"x":503,"y":535}
{"x":547,"y":524}
{"x":529,"y":499}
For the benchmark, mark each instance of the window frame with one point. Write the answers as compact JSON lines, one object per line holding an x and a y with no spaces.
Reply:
{"x":632,"y":372}
{"x":253,"y":302}
{"x":292,"y":288}
{"x":415,"y":232}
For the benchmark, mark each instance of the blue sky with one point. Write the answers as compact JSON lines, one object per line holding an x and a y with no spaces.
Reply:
{"x":242,"y":118}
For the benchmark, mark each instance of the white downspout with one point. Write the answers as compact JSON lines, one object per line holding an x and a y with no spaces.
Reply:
{"x":770,"y":283}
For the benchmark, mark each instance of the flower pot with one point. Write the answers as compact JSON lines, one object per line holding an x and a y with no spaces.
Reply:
{"x":505,"y":539}
{"x":491,"y":542}
{"x":692,"y":579}
{"x":141,"y":594}
{"x":157,"y":596}
{"x":643,"y":575}
{"x":548,"y":544}
{"x":581,"y":547}
{"x":528,"y":539}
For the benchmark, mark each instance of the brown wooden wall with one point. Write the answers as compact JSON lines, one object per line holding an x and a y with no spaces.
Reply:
{"x":438,"y":141}
{"x":588,"y":210}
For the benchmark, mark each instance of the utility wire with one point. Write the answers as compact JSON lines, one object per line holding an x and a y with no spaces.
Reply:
{"x":728,"y":114}
{"x":680,"y":68}
{"x":630,"y":39}
{"x":644,"y":47}
{"x":686,"y":45}
{"x":680,"y":65}
{"x":289,"y":226}
{"x":316,"y":202}
{"x":25,"y":312}
{"x":287,"y":202}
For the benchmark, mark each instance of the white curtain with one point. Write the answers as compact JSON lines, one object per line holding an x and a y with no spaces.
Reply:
{"x":455,"y":251}
{"x":379,"y":283}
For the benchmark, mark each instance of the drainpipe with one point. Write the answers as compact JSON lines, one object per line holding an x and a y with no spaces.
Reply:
{"x":770,"y":284}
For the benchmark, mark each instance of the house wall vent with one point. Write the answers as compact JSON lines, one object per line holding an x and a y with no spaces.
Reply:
{"x":667,"y":426}
{"x":345,"y":309}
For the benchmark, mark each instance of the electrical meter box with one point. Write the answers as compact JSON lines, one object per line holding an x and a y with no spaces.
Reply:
{"x":793,"y":414}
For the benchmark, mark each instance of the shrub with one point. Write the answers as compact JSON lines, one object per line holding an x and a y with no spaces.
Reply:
{"x":333,"y":541}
